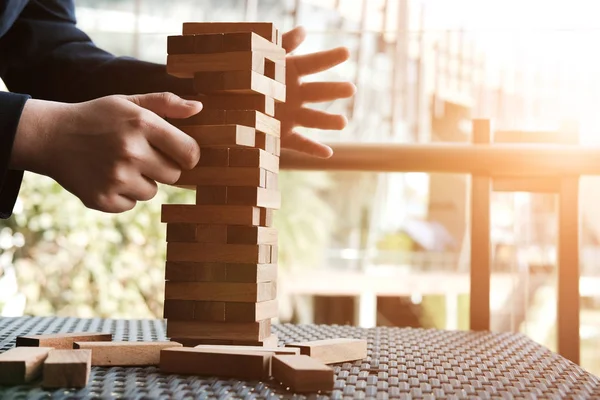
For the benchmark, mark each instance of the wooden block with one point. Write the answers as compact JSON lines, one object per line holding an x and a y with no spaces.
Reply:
{"x":265,"y":29}
{"x":211,"y":195}
{"x":275,"y":70}
{"x":221,"y":135}
{"x":191,"y":310}
{"x":268,"y":143}
{"x":219,"y":330}
{"x":223,"y":43}
{"x":221,"y":291}
{"x":219,"y":253}
{"x":251,"y":272}
{"x":254,"y":119}
{"x":246,"y":349}
{"x":241,"y":82}
{"x":186,"y":65}
{"x":274,"y":254}
{"x":223,"y":176}
{"x":204,"y":117}
{"x":180,"y":44}
{"x":206,"y":214}
{"x":21,"y":365}
{"x":195,"y":233}
{"x":258,"y":102}
{"x":266,"y":217}
{"x":214,"y":157}
{"x":302,"y":373}
{"x":124,"y":354}
{"x":219,"y":272}
{"x":270,"y":341}
{"x":256,"y":158}
{"x":250,"y":41}
{"x":249,"y":312}
{"x":62,"y":340}
{"x":271,"y":180}
{"x":180,"y":309}
{"x":330,"y":351}
{"x":255,"y":196}
{"x":192,"y":361}
{"x":67,"y":368}
{"x":251,"y":235}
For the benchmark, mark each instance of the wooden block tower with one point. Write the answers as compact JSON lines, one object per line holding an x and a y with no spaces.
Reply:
{"x":221,"y":267}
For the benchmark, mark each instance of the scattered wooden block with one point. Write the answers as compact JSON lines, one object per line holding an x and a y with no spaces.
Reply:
{"x":214,"y":157}
{"x":196,"y":233}
{"x":67,"y":369}
{"x":221,"y":135}
{"x":192,"y":361}
{"x":223,"y":176}
{"x":246,"y":81}
{"x":331,"y":351}
{"x":275,"y":70}
{"x":206,"y":214}
{"x":220,"y":330}
{"x":21,"y":365}
{"x":302,"y":373}
{"x":256,"y":158}
{"x":124,"y":354}
{"x":61,"y":340}
{"x":270,"y":341}
{"x":254,"y":196}
{"x":265,"y":29}
{"x":248,"y":349}
{"x":186,"y":65}
{"x":178,"y":271}
{"x":250,"y":312}
{"x":258,"y":102}
{"x":251,"y":235}
{"x":219,"y":253}
{"x":221,"y":291}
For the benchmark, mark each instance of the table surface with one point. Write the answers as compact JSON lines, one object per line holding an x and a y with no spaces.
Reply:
{"x":402,"y":363}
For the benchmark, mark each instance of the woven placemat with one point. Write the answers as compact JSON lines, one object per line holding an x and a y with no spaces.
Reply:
{"x":402,"y":363}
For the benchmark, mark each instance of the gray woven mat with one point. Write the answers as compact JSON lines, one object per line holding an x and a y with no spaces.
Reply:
{"x":402,"y":363}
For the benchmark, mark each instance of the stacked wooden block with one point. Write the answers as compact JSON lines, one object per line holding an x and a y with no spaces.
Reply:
{"x":221,"y":267}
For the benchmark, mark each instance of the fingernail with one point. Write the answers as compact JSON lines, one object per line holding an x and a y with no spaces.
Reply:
{"x":192,"y":103}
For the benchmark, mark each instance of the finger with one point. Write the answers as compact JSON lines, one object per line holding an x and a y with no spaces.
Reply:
{"x":141,"y":189}
{"x":173,"y":143}
{"x":307,"y":64}
{"x":318,"y":92}
{"x":297,"y":142}
{"x":167,"y":104}
{"x":309,"y":118}
{"x":293,"y":39}
{"x":160,"y":169}
{"x":113,"y":204}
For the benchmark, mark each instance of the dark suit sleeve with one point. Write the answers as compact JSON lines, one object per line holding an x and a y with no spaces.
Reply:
{"x":47,"y":57}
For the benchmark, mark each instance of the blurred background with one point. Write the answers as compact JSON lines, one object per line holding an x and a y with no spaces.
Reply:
{"x":356,"y":248}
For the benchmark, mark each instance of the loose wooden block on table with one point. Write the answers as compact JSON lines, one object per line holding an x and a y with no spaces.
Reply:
{"x":62,"y":340}
{"x":192,"y":361}
{"x":266,"y":30}
{"x":248,"y":349}
{"x":219,"y":330}
{"x":125,"y":353}
{"x":257,"y":158}
{"x":251,"y":235}
{"x":207,"y":214}
{"x":197,"y":233}
{"x":179,"y":271}
{"x":270,"y":341}
{"x":221,"y":135}
{"x":67,"y":369}
{"x":219,"y":253}
{"x":20,"y":365}
{"x":221,"y":291}
{"x":223,"y":176}
{"x":186,"y":65}
{"x":302,"y":373}
{"x":242,"y":81}
{"x":258,"y":102}
{"x":330,"y":351}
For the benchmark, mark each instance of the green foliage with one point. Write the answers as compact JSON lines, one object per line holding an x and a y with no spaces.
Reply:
{"x":73,"y":261}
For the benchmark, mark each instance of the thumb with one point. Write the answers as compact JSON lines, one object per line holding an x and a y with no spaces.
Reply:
{"x":167,"y":104}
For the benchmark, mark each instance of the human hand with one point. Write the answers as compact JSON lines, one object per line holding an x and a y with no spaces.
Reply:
{"x":293,"y":112}
{"x":109,"y":152}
